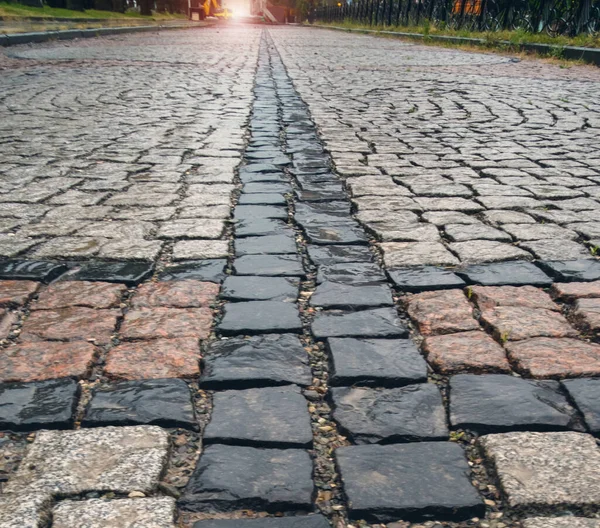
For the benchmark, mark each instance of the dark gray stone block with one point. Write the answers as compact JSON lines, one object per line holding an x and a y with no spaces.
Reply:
{"x":585,"y":392}
{"x":256,"y":212}
{"x":516,"y":273}
{"x":258,"y":361}
{"x":328,"y":255}
{"x":337,"y":295}
{"x":266,"y":187}
{"x":210,"y":270}
{"x":379,"y":322}
{"x":266,"y":245}
{"x":425,"y":279}
{"x":496,"y":403}
{"x":298,"y":521}
{"x":269,"y":266}
{"x":265,"y":417}
{"x":405,"y":414}
{"x":262,"y":199}
{"x":31,"y":270}
{"x":261,"y":227}
{"x":260,"y":317}
{"x":413,"y":482}
{"x":163,"y":402}
{"x":129,"y":273}
{"x":572,"y":270}
{"x":38,"y":405}
{"x":356,"y":273}
{"x":339,"y":233}
{"x":377,"y":362}
{"x":229,"y":478}
{"x":249,"y":288}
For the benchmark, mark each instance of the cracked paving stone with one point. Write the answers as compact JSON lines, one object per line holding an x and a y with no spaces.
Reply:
{"x":30,"y":510}
{"x":258,"y":361}
{"x":200,"y":249}
{"x":487,"y":297}
{"x":38,"y":405}
{"x":31,"y":270}
{"x":260,"y":317}
{"x":269,"y":266}
{"x":586,"y":395}
{"x":229,"y":478}
{"x":249,"y":288}
{"x":300,"y":521}
{"x":328,"y":255}
{"x":266,"y":245}
{"x":505,"y":274}
{"x":168,"y":323}
{"x":349,"y":296}
{"x":70,"y":324}
{"x":378,"y":322}
{"x":571,"y":291}
{"x":561,"y":468}
{"x":514,"y":323}
{"x":118,"y":459}
{"x":406,"y":414}
{"x":99,"y":295}
{"x":210,"y":270}
{"x":354,"y":273}
{"x":154,"y":512}
{"x":175,"y":294}
{"x":16,"y":292}
{"x":159,"y":358}
{"x":477,"y":251}
{"x":544,"y":357}
{"x":46,"y":360}
{"x":496,"y":403}
{"x":417,"y":280}
{"x":465,"y":351}
{"x":561,"y":522}
{"x":377,"y":362}
{"x":587,"y":313}
{"x":162,"y":402}
{"x":573,"y":270}
{"x":441,"y":312}
{"x":401,"y":254}
{"x":264,"y":417}
{"x":408,"y":481}
{"x":128,"y":273}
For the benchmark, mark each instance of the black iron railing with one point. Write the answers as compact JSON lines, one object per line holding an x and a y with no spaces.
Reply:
{"x":555,"y":17}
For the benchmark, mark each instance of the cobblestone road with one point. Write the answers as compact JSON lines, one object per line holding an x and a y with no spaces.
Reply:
{"x":251,"y":274}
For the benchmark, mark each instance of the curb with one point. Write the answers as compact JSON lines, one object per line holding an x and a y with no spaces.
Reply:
{"x":69,"y":34}
{"x":589,"y":55}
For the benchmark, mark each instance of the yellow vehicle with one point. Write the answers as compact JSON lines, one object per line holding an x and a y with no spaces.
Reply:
{"x":199,"y":10}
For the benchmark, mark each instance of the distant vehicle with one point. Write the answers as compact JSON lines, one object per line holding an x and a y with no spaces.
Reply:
{"x":199,"y":10}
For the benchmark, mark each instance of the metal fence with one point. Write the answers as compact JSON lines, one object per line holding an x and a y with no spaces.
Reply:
{"x":554,"y":17}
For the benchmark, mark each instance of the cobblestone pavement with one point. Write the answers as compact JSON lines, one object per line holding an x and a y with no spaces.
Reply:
{"x":252,"y":274}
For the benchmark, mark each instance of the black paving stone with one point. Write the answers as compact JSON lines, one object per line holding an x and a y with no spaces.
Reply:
{"x":328,"y":255}
{"x":413,"y":482}
{"x":380,"y":322}
{"x":258,"y":361}
{"x":585,"y":392}
{"x":323,"y":195}
{"x":339,"y":233}
{"x":229,"y":478}
{"x":38,"y":405}
{"x":269,"y":266}
{"x":425,"y":279}
{"x":130,"y":273}
{"x":377,"y":362}
{"x":255,"y":177}
{"x":572,"y":270}
{"x":162,"y":402}
{"x":348,"y":296}
{"x":256,"y":212}
{"x":262,"y":199}
{"x":405,"y":414}
{"x":248,"y":288}
{"x":356,"y":273}
{"x":265,"y":417}
{"x":260,"y":317}
{"x":316,"y":213}
{"x":31,"y":270}
{"x":266,"y":245}
{"x":210,"y":270}
{"x":259,"y":168}
{"x":266,"y":187}
{"x":299,"y":521}
{"x":261,"y":227}
{"x":515,"y":273}
{"x":496,"y":403}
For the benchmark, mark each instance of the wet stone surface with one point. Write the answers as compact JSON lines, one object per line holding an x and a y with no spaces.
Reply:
{"x":271,"y":359}
{"x":211,"y":270}
{"x":260,"y":317}
{"x":349,"y":296}
{"x":379,"y":322}
{"x":573,"y":270}
{"x":249,"y":288}
{"x":496,"y":403}
{"x":265,"y":417}
{"x":585,"y":393}
{"x":506,"y":274}
{"x":269,"y":266}
{"x":31,"y":270}
{"x":129,"y":273}
{"x":423,"y":279}
{"x":405,"y":414}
